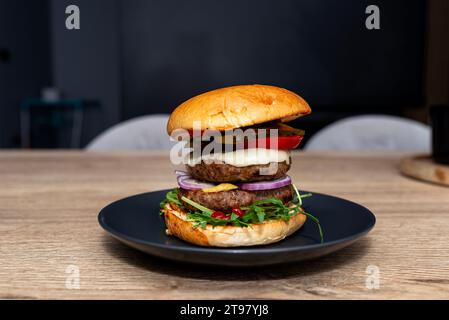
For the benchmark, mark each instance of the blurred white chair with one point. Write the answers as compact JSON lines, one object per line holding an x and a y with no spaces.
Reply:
{"x":373,"y":133}
{"x":141,"y":133}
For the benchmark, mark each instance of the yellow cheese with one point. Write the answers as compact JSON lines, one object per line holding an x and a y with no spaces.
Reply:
{"x":221,"y":187}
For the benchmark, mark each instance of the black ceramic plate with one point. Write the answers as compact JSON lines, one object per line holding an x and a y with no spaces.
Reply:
{"x":136,"y":222}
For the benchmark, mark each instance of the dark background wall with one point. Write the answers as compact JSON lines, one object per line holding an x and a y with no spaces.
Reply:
{"x":320,"y":49}
{"x":146,"y":56}
{"x":86,"y":62}
{"x":25,"y":67}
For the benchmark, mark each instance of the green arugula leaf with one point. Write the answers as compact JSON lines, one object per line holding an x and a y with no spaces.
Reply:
{"x":171,"y":196}
{"x":260,"y":215}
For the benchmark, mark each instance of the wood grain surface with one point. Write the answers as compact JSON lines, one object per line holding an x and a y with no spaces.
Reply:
{"x":49,"y":203}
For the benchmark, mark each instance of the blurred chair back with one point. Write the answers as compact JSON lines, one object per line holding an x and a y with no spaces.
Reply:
{"x":141,"y":133}
{"x":373,"y":133}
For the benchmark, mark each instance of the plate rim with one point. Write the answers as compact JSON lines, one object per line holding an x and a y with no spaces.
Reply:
{"x":236,"y":250}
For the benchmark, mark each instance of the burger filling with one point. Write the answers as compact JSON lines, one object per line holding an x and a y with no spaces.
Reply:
{"x":225,"y":201}
{"x":243,"y":185}
{"x":261,"y":210}
{"x":221,"y":172}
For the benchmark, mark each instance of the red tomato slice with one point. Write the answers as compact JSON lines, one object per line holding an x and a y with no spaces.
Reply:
{"x":283,"y":142}
{"x":289,"y":142}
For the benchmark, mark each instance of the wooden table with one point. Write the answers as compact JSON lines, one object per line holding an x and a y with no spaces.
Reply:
{"x":49,"y":203}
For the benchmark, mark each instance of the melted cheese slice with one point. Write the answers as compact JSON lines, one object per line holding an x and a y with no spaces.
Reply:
{"x":244,"y":157}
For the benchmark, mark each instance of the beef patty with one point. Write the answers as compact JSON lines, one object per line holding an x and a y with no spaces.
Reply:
{"x":227,"y":200}
{"x":221,"y":172}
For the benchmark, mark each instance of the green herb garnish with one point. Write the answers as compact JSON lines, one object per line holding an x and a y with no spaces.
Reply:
{"x":171,"y":197}
{"x":258,"y":212}
{"x":298,"y":199}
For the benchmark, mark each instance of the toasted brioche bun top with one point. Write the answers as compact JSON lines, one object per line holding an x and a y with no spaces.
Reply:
{"x":238,"y":106}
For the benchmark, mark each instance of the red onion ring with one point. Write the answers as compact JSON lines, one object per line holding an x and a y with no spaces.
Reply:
{"x":180,"y":173}
{"x":266,"y":185}
{"x":187,"y":182}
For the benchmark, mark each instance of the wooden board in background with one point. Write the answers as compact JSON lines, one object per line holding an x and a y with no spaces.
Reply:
{"x":422,"y":167}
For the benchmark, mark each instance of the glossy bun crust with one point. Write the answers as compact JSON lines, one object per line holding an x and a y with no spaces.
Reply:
{"x":238,"y":106}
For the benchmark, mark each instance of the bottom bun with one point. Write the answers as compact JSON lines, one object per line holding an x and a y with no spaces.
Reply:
{"x":229,"y":236}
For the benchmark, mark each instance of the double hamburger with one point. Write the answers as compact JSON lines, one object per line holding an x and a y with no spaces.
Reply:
{"x":235,"y":190}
